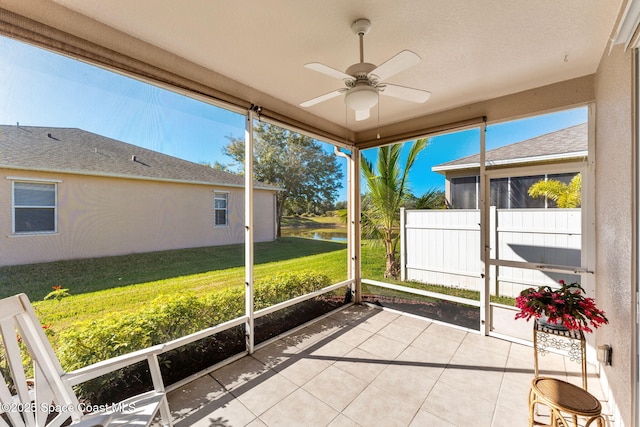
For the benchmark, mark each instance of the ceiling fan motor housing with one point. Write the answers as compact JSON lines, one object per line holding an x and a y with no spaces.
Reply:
{"x":360,"y":70}
{"x":361,"y":26}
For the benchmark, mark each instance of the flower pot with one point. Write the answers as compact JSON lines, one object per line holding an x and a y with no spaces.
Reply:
{"x":544,"y":321}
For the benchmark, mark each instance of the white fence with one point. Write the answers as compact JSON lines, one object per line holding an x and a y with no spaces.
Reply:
{"x":443,"y":247}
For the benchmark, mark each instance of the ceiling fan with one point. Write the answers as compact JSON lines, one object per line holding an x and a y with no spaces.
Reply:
{"x":364,"y":81}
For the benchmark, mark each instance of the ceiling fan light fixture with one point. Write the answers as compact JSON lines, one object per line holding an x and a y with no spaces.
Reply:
{"x":361,"y":97}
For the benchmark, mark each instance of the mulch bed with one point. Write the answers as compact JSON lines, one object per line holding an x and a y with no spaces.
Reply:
{"x":445,"y":311}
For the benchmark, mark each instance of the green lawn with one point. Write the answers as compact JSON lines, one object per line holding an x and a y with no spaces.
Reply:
{"x":96,"y":274}
{"x":125,"y":283}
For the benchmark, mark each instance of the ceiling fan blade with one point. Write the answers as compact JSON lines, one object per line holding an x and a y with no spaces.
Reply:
{"x":398,"y":63}
{"x":322,"y":98}
{"x":325,"y":69}
{"x":406,"y":93}
{"x":362,"y":115}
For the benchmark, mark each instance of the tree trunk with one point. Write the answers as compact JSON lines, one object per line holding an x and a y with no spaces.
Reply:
{"x":393,"y":268}
{"x":279,"y":212}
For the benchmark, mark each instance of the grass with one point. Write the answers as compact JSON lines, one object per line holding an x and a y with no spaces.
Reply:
{"x":124,"y":283}
{"x":87,"y":306}
{"x":96,"y":274}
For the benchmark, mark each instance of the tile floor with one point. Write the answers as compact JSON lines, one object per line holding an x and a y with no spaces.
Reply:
{"x":367,"y":367}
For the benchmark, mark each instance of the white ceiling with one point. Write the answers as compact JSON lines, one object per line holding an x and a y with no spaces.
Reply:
{"x":471,"y":50}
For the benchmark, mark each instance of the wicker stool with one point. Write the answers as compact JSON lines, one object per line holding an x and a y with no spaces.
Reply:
{"x":561,"y":396}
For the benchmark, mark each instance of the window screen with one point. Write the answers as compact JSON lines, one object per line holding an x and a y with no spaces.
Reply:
{"x":520,"y":192}
{"x":34,"y":207}
{"x":464,"y":193}
{"x":220,"y":208}
{"x":500,"y":193}
{"x":565,"y":178}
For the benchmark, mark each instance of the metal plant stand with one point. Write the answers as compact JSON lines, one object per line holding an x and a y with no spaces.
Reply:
{"x":571,"y":343}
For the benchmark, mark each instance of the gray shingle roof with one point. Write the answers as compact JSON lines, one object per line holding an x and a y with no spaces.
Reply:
{"x":73,"y":150}
{"x":560,"y":144}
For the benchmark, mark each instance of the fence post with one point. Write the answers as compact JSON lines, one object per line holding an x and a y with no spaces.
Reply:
{"x":403,"y":245}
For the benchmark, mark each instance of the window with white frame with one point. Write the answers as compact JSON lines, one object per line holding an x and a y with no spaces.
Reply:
{"x":34,"y":207}
{"x":221,"y":203}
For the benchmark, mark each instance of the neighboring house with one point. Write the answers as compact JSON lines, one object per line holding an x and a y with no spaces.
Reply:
{"x":68,"y":193}
{"x":462,"y":175}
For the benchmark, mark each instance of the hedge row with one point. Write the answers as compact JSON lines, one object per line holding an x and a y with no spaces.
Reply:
{"x":170,"y":317}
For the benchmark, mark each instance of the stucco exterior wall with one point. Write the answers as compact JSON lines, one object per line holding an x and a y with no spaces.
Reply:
{"x":100,"y":216}
{"x":614,"y":221}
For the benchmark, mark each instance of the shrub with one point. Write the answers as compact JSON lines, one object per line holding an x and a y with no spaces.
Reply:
{"x":285,"y":286}
{"x":166,"y":318}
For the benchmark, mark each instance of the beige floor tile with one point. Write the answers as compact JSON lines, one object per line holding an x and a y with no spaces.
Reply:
{"x":304,"y":338}
{"x":485,"y":384}
{"x":520,"y":351}
{"x":330,"y":351}
{"x":361,"y":364}
{"x":375,"y":407}
{"x":448,"y":332}
{"x":329,"y":325}
{"x":276,"y":353}
{"x":299,"y":409}
{"x":385,"y":348}
{"x":354,"y":336}
{"x":519,"y":367}
{"x":459,"y":406}
{"x":424,"y":419}
{"x":482,"y":342}
{"x":378,"y":321}
{"x":435,"y":343}
{"x":342,"y":421}
{"x":254,"y":423}
{"x":193,"y":396}
{"x":412,"y":322}
{"x":509,"y":417}
{"x":408,"y":382}
{"x":239,"y":372}
{"x":364,"y":367}
{"x":401,"y":332}
{"x":225,"y":411}
{"x":301,"y":369}
{"x":262,"y":393}
{"x":470,"y":355}
{"x":335,"y":387}
{"x":431,"y":364}
{"x":514,"y":395}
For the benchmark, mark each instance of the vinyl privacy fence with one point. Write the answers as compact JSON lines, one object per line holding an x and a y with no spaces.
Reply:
{"x":443,"y":247}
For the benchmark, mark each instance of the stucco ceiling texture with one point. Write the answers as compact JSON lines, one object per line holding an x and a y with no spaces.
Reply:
{"x":471,"y":50}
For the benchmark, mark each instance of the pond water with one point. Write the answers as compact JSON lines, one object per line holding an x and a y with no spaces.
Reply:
{"x":334,"y":236}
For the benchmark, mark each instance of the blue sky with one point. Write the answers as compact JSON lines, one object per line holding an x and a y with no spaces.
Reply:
{"x":40,"y":88}
{"x":442,"y":149}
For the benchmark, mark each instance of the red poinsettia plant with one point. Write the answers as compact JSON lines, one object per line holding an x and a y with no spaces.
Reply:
{"x":566,"y":306}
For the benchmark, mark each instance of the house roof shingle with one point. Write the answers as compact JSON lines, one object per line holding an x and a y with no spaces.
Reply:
{"x":565,"y":143}
{"x":72,"y":150}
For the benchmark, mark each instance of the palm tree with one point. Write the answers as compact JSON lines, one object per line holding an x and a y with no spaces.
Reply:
{"x":565,"y":195}
{"x":432,"y":199}
{"x":388,"y":188}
